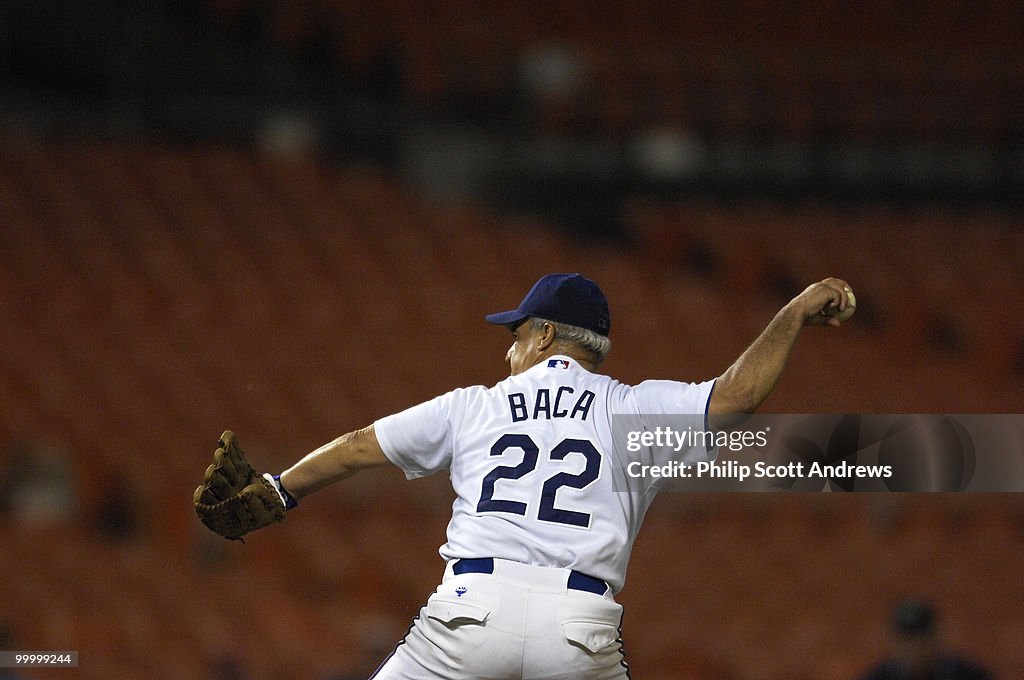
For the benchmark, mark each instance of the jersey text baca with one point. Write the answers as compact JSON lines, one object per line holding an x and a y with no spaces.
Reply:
{"x":543,"y":406}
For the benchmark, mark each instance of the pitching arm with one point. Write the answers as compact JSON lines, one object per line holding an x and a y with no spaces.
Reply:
{"x":747,"y":383}
{"x":334,"y":461}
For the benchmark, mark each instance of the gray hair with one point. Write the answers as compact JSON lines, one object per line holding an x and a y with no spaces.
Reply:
{"x":597,"y":345}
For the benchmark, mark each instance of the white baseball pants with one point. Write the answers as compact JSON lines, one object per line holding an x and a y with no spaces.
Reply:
{"x":518,"y":623}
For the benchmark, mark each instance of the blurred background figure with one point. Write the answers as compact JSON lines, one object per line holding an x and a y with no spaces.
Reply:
{"x":918,"y":652}
{"x":7,"y":642}
{"x":36,"y":485}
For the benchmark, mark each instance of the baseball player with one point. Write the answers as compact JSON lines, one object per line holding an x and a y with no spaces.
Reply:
{"x":540,"y":537}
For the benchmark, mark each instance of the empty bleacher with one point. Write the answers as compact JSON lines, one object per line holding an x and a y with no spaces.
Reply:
{"x":805,"y":71}
{"x":153,"y":296}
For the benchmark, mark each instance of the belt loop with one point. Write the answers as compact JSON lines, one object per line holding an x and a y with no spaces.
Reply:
{"x":580,"y":581}
{"x":480,"y":565}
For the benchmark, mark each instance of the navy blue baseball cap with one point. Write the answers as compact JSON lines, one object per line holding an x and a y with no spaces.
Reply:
{"x":566,"y":298}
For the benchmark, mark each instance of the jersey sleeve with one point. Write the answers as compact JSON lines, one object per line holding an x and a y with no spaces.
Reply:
{"x":668,"y":397}
{"x":419,"y":439}
{"x":683,"y":408}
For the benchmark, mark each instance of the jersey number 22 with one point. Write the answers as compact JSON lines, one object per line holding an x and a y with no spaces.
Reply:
{"x":547,"y":511}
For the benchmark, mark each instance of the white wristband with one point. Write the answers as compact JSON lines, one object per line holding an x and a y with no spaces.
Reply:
{"x":277,"y":487}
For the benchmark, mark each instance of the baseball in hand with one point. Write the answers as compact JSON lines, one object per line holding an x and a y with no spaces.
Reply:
{"x":851,"y":307}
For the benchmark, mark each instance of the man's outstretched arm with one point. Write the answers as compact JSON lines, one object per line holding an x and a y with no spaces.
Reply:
{"x":752,"y":377}
{"x":235,"y":499}
{"x":333,"y":462}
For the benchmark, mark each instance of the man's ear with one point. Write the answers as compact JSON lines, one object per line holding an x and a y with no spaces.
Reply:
{"x":546,"y":338}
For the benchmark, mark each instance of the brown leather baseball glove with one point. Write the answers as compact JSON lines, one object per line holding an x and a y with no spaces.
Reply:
{"x":234,"y":499}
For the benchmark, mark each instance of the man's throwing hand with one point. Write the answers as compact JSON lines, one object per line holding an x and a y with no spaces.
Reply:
{"x":826,"y":303}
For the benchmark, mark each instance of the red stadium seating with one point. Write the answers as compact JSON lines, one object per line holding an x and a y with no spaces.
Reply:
{"x":152,"y":297}
{"x":793,"y":70}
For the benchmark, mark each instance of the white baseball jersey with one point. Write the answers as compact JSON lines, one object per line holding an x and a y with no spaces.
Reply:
{"x":532,"y":462}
